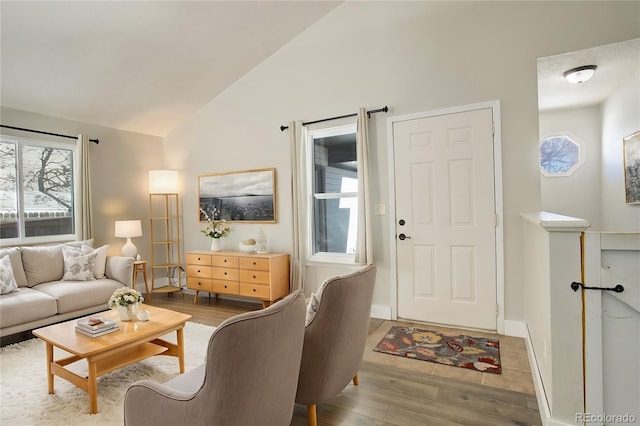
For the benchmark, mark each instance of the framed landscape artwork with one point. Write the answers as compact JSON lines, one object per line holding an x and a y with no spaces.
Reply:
{"x":245,"y":196}
{"x":631,"y":148}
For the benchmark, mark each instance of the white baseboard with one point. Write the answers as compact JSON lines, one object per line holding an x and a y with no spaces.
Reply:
{"x":516,"y":329}
{"x":381,"y":311}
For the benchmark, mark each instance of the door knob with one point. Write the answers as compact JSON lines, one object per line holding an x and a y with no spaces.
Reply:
{"x":403,"y":237}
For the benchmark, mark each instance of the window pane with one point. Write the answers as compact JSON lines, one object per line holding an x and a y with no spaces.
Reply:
{"x":48,"y":190}
{"x":335,"y":225}
{"x":558,"y":154}
{"x":334,"y":158}
{"x":9,"y":226}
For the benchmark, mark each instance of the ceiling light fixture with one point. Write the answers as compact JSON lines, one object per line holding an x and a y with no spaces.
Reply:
{"x":580,"y":74}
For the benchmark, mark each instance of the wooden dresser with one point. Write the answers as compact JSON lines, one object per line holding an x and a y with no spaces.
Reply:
{"x":258,"y":276}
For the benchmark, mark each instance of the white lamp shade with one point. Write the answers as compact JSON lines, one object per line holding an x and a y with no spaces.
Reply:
{"x":163,"y":181}
{"x":128,"y":228}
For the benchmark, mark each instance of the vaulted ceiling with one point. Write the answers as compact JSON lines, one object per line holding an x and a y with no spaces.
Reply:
{"x":146,"y":66}
{"x":142,"y":66}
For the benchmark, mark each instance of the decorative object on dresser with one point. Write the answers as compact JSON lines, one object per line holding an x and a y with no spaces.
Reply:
{"x":257,"y":276}
{"x":246,"y":196}
{"x":164,"y":231}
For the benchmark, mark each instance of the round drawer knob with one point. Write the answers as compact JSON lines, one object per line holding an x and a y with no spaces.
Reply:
{"x":225,"y":261}
{"x":225,"y":273}
{"x":254,"y":290}
{"x":198,"y":270}
{"x":254,"y":263}
{"x":225,"y":286}
{"x":254,"y":276}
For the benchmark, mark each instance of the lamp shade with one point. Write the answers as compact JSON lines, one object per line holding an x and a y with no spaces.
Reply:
{"x":128,"y":228}
{"x":163,"y":181}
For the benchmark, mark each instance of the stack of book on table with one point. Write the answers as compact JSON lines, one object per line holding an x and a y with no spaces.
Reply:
{"x":94,"y":326}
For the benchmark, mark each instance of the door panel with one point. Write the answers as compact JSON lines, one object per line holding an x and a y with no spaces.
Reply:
{"x":445,"y":194}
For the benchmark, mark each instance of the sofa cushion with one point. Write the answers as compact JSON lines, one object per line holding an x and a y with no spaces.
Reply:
{"x":42,"y":264}
{"x":101,"y":259}
{"x":75,"y":295}
{"x":15,"y":255}
{"x":81,"y":243}
{"x":25,"y":305}
{"x":7,"y":281}
{"x":78,"y":267}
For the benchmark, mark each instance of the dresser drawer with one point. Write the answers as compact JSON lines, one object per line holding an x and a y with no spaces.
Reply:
{"x":225,"y":261}
{"x":200,"y":284}
{"x":254,"y":263}
{"x":199,"y":271}
{"x":254,"y":277}
{"x":224,"y":274}
{"x":198,"y":259}
{"x":225,"y":287}
{"x":251,"y":290}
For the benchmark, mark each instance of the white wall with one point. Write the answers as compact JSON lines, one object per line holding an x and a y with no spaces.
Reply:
{"x":412,"y":56}
{"x":620,"y":118}
{"x":119,"y":169}
{"x":559,"y":193}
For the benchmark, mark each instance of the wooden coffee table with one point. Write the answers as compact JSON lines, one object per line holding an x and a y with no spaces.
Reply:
{"x":135,"y":341}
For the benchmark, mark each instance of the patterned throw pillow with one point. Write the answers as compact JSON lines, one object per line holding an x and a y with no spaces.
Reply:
{"x":312,"y":306}
{"x":101,"y":259}
{"x":78,"y":267}
{"x":7,"y":281}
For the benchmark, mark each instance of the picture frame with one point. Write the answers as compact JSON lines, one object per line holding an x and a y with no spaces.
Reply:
{"x":242,"y":196}
{"x":631,"y":150}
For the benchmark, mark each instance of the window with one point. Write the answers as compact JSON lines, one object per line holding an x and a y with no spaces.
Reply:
{"x":36,"y":190}
{"x":559,"y":156}
{"x":333,"y":189}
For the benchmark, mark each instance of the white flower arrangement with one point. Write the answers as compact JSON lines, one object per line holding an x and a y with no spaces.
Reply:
{"x":215,"y":228}
{"x":125,"y":296}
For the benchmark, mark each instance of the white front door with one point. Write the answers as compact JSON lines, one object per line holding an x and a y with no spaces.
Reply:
{"x":446,"y":218}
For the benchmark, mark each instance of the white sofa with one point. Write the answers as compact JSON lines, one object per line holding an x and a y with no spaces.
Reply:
{"x":43,"y":297}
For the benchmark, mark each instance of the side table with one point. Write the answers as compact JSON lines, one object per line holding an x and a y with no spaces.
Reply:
{"x":141,"y":266}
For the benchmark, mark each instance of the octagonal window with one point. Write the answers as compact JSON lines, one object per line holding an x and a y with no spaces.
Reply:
{"x":559,"y":156}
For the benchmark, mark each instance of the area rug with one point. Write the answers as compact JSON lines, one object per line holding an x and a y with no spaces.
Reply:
{"x":23,"y":383}
{"x":459,"y":350}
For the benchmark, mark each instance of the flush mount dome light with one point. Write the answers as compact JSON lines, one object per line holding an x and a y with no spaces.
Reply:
{"x":580,"y":74}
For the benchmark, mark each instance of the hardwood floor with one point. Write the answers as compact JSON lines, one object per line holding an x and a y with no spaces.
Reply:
{"x":404,"y":392}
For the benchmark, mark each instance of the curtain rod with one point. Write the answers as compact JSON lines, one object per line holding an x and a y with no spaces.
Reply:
{"x":373,"y":111}
{"x":96,"y":141}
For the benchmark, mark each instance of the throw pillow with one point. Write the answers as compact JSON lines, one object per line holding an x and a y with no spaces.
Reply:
{"x":101,"y":259}
{"x":8,"y":283}
{"x":15,"y":255}
{"x":78,"y":267}
{"x":312,"y":306}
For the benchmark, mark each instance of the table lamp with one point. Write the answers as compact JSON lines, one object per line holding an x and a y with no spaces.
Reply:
{"x":129,"y":229}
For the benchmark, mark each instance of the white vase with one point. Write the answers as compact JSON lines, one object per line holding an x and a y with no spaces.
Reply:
{"x":216,"y":244}
{"x":128,"y":313}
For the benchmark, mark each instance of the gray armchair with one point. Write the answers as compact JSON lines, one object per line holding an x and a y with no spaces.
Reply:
{"x":249,"y":376}
{"x":335,"y":338}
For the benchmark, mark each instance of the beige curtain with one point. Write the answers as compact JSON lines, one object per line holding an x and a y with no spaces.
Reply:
{"x":364,"y":243}
{"x":84,"y":215}
{"x":297,"y":141}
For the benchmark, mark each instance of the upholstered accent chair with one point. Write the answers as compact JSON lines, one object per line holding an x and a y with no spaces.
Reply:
{"x":335,"y":338}
{"x":249,"y":376}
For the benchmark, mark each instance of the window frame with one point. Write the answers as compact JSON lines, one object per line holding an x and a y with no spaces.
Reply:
{"x":311,"y":196}
{"x":19,"y":143}
{"x":574,"y":167}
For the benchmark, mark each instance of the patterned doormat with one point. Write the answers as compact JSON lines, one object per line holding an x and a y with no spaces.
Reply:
{"x":459,"y":350}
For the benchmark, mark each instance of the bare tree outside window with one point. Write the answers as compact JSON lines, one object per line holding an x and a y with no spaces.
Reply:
{"x":559,"y":156}
{"x":46,"y":204}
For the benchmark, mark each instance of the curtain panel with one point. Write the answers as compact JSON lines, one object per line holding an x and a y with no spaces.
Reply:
{"x":83,"y":210}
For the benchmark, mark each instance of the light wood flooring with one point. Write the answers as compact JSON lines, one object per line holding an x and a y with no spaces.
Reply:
{"x":405,"y":392}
